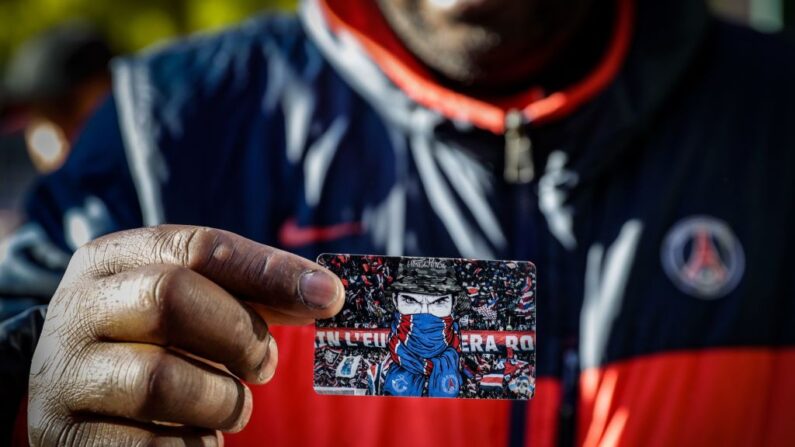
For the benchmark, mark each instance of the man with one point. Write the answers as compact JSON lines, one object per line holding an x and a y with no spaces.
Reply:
{"x":602,"y":141}
{"x":424,"y":341}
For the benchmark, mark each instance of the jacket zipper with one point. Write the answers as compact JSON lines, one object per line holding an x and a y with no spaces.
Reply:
{"x":519,"y":167}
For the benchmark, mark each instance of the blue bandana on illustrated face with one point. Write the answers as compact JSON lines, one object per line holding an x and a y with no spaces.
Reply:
{"x":428,"y":337}
{"x":424,"y":351}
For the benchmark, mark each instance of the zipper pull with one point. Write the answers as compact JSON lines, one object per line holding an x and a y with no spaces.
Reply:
{"x":519,"y":167}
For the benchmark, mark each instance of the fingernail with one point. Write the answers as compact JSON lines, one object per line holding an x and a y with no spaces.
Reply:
{"x":318,"y":289}
{"x":245,"y":412}
{"x":262,"y":368}
{"x":268,"y":367}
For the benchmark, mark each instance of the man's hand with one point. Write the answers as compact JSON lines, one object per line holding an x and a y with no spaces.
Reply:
{"x":146,"y":339}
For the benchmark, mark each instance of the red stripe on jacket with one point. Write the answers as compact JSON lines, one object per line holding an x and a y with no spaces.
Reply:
{"x":726,"y":397}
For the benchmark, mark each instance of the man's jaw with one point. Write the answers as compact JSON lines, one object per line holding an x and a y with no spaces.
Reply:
{"x":461,"y":5}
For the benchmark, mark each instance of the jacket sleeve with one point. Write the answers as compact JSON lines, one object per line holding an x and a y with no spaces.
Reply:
{"x":18,"y":338}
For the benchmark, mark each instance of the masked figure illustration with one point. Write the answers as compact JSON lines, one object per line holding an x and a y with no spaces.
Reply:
{"x":424,"y":342}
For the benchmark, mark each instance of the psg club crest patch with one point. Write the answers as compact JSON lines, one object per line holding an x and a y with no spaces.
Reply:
{"x":703,"y":257}
{"x":429,"y":327}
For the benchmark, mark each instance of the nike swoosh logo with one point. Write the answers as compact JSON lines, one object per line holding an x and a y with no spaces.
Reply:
{"x":293,"y":236}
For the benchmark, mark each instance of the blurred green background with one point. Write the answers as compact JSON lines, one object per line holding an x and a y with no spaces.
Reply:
{"x":128,"y":24}
{"x":133,"y":24}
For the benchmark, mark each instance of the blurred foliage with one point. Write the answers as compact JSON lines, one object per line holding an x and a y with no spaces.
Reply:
{"x":128,"y":24}
{"x":133,"y":24}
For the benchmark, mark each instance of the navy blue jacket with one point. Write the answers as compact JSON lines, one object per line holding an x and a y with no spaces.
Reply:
{"x":659,"y":217}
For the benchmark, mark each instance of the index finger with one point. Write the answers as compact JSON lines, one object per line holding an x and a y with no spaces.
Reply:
{"x":249,"y":270}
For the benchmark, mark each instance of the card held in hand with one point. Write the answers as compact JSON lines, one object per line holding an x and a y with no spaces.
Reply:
{"x":434,"y":327}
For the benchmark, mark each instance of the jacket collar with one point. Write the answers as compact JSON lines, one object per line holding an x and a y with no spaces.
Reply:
{"x":363,"y":23}
{"x":651,"y":45}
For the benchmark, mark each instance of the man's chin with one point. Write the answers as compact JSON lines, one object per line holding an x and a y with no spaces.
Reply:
{"x":465,"y":9}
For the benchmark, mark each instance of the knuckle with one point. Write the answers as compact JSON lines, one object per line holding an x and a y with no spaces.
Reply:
{"x":153,"y":383}
{"x":188,"y":246}
{"x":67,"y":325}
{"x":201,"y":246}
{"x":64,"y":299}
{"x":168,"y":282}
{"x":159,"y":297}
{"x":95,"y":258}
